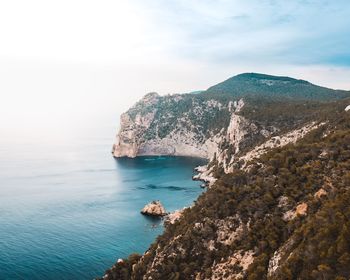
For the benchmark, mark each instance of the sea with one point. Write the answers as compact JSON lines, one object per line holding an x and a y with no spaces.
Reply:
{"x":69,"y":210}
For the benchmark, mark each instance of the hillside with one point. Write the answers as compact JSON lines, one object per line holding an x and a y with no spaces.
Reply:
{"x":226,"y":120}
{"x":275,"y":87}
{"x":287,"y":217}
{"x":277,"y":206}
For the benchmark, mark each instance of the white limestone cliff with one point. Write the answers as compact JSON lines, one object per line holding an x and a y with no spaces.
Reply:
{"x":132,"y":128}
{"x":183,"y":125}
{"x":184,"y":138}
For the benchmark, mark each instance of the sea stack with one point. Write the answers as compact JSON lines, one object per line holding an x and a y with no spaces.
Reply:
{"x":154,"y":208}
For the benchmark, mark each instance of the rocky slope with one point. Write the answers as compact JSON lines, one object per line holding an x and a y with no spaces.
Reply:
{"x":171,"y":125}
{"x":224,"y":122}
{"x":279,"y":161}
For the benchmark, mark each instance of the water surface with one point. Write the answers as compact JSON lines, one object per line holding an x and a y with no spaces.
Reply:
{"x":70,"y":210}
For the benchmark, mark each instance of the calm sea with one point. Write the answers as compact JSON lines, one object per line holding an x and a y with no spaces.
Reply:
{"x":69,"y":210}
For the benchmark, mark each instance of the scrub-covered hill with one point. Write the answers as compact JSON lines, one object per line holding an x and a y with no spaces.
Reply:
{"x":279,"y":173}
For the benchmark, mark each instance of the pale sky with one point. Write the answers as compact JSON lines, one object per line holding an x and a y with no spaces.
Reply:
{"x":67,"y":64}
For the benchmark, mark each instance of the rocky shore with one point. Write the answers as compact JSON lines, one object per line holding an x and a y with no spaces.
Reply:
{"x":281,"y":193}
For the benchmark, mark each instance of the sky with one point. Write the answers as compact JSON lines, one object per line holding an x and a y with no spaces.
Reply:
{"x":73,"y":64}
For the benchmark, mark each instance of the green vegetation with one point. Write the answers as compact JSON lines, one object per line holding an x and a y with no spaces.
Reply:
{"x":190,"y":112}
{"x":275,"y":87}
{"x":271,"y":101}
{"x":318,"y":242}
{"x":260,"y":203}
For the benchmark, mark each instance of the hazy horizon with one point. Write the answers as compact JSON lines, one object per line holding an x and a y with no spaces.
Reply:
{"x":75,"y":64}
{"x":71,"y":193}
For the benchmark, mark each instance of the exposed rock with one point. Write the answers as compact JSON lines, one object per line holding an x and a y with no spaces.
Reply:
{"x":301,"y":209}
{"x":237,"y":129}
{"x":225,"y":270}
{"x":154,"y":208}
{"x":283,"y":201}
{"x":221,"y":237}
{"x":230,"y":229}
{"x":274,"y":263}
{"x":133,"y":124}
{"x":205,"y":175}
{"x":211,"y":245}
{"x":153,"y":126}
{"x":289,"y":215}
{"x":278,"y":141}
{"x":171,"y":218}
{"x":281,"y":254}
{"x":323,"y":155}
{"x":321,"y":192}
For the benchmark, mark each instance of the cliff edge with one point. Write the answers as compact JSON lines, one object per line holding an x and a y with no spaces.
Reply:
{"x":279,"y":161}
{"x":225,"y":122}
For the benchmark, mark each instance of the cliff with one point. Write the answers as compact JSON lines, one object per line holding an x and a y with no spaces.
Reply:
{"x":170,"y":125}
{"x":225,"y":122}
{"x":279,"y":168}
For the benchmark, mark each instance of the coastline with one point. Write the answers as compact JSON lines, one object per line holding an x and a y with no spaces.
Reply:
{"x":175,"y":215}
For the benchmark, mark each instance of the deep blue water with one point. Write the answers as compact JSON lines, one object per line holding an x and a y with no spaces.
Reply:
{"x":69,"y":211}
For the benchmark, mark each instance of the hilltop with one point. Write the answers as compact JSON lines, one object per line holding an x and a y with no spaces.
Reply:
{"x":268,"y":86}
{"x":278,"y":178}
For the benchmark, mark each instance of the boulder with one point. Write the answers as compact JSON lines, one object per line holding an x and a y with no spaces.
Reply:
{"x":321,"y":192}
{"x":301,"y":209}
{"x":154,"y":208}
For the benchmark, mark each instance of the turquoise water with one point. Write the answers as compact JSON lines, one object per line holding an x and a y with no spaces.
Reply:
{"x":69,"y":211}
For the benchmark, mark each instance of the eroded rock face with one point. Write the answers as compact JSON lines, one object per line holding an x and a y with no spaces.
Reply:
{"x":171,"y":218}
{"x":300,"y":210}
{"x":231,"y":136}
{"x":179,"y":125}
{"x":278,"y":141}
{"x":205,"y":175}
{"x":184,"y":125}
{"x":225,"y":270}
{"x":154,"y":208}
{"x":321,"y":192}
{"x":133,"y":125}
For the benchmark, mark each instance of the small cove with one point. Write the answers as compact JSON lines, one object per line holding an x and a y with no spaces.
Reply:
{"x":71,"y":211}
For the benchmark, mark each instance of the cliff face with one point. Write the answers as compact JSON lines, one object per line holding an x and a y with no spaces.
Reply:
{"x":223,"y":123}
{"x":133,"y":125}
{"x":170,"y":125}
{"x":188,"y":125}
{"x":279,"y":168}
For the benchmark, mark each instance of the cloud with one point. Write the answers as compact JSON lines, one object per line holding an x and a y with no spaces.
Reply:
{"x":300,"y":32}
{"x":231,"y":32}
{"x":69,"y":64}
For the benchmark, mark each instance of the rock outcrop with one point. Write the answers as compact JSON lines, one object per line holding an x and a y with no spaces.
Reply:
{"x":173,"y":125}
{"x":154,"y":208}
{"x":229,"y":124}
{"x":172,"y":217}
{"x":133,"y":125}
{"x":169,"y":125}
{"x":278,"y":161}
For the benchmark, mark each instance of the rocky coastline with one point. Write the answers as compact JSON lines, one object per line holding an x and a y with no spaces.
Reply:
{"x":265,"y":138}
